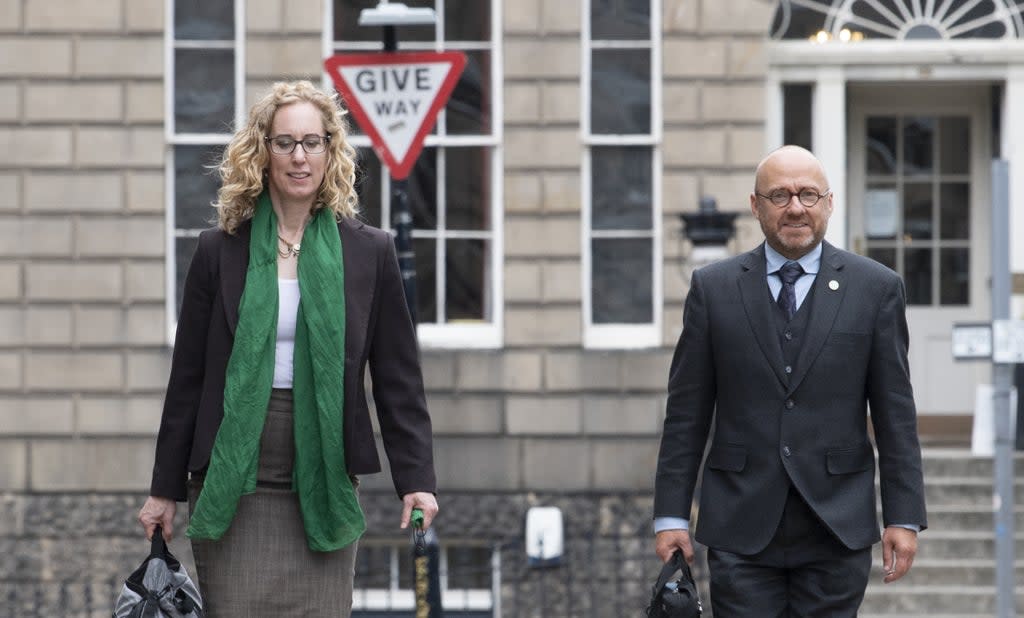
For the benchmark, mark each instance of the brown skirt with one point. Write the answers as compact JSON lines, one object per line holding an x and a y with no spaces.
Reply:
{"x":262,"y":565}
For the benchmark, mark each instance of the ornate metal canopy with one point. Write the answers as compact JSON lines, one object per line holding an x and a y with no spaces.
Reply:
{"x":899,"y":19}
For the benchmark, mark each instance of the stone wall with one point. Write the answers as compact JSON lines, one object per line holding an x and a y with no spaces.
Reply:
{"x":83,"y":343}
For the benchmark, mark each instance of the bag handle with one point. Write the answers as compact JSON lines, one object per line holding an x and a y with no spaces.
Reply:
{"x":675,"y":563}
{"x":158,"y":547}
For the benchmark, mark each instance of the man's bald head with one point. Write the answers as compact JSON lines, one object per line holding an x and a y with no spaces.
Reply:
{"x":786,"y":157}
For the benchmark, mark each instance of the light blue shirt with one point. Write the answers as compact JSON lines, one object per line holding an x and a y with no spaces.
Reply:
{"x":811,"y":261}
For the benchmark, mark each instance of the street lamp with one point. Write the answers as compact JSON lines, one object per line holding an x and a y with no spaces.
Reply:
{"x":390,"y":15}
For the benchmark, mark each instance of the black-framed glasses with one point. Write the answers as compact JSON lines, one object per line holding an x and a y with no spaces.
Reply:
{"x":807,"y":197}
{"x":285,"y":144}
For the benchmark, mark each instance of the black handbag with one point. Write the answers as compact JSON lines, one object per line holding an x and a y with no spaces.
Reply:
{"x":675,"y":599}
{"x":159,"y":588}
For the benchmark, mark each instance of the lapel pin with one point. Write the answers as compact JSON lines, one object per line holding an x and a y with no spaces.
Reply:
{"x":833,"y":285}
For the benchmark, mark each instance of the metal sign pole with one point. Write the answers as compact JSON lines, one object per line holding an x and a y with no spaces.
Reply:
{"x":401,"y":213}
{"x":1002,"y":379}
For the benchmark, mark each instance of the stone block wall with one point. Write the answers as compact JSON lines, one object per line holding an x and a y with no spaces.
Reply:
{"x":83,"y":343}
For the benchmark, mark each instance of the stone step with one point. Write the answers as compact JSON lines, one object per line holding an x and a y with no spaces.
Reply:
{"x":964,"y":491}
{"x":958,"y":545}
{"x":931,"y":601}
{"x":969,"y":572}
{"x":968,"y":517}
{"x":940,"y":462}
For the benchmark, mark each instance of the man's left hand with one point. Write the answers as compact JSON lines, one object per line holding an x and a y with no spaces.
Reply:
{"x":422,"y":500}
{"x":899,"y":545}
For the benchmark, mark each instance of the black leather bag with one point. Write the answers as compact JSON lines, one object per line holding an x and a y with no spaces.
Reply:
{"x":675,"y":599}
{"x":159,"y":588}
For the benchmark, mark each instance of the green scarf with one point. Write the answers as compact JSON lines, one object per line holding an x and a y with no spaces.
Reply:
{"x":330,"y":509}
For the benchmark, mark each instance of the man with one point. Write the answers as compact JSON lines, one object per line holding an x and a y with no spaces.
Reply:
{"x":783,"y":351}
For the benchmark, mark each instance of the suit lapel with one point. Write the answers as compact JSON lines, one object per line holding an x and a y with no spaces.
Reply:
{"x":754,"y":292}
{"x":828,"y":290}
{"x":234,"y":262}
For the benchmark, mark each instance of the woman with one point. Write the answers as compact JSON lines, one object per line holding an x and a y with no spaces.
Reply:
{"x":285,"y":304}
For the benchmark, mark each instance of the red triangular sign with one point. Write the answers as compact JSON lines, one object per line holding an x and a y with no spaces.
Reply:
{"x":396,"y":97}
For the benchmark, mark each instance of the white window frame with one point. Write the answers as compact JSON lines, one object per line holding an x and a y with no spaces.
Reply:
{"x":453,"y":335}
{"x":172,"y":139}
{"x":452,"y":599}
{"x":622,"y":336}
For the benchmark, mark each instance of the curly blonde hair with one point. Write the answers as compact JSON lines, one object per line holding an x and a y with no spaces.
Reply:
{"x":246,"y":157}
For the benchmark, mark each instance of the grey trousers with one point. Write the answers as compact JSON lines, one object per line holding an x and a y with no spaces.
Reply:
{"x":262,"y":565}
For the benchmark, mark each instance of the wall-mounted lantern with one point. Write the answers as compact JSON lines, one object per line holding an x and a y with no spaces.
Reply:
{"x":708,"y":231}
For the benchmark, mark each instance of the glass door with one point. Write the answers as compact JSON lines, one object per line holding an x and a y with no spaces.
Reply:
{"x":919,"y":159}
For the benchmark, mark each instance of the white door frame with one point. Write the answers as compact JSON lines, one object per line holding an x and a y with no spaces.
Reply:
{"x":830,"y":66}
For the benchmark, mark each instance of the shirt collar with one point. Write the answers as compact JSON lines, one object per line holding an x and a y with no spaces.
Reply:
{"x":810,"y":260}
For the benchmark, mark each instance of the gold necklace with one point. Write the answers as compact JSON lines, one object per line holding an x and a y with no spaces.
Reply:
{"x":290,"y":250}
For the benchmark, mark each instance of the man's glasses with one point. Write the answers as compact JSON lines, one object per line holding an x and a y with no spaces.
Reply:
{"x":284,"y":144}
{"x":781,"y":197}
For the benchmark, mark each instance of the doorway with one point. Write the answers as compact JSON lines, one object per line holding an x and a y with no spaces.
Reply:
{"x":918,"y":161}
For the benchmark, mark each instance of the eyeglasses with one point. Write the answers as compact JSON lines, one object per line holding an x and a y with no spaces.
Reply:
{"x":808,"y":197}
{"x":285,"y":144}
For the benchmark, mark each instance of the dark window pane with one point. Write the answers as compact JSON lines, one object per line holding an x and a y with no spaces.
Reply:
{"x":881,"y":211}
{"x":881,"y":146}
{"x":620,"y":19}
{"x":467,"y":20}
{"x":204,"y":90}
{"x":867,"y":11}
{"x":917,"y":210}
{"x":468,"y":112}
{"x":406,"y":574}
{"x":917,"y":274}
{"x":368,"y":179}
{"x":796,"y":22}
{"x":884,"y":256}
{"x":620,"y":91}
{"x":797,"y":114}
{"x":465,"y":280}
{"x":184,"y":248}
{"x":622,"y":187}
{"x":422,"y":191}
{"x":954,"y":269}
{"x":195,"y":186}
{"x":622,"y":281}
{"x":469,"y":567}
{"x":955,"y":149}
{"x":348,"y":30}
{"x":980,"y":16}
{"x":346,"y":21}
{"x":955,"y":210}
{"x":426,"y":279}
{"x":918,"y":145}
{"x":467,"y":188}
{"x":373,"y":567}
{"x":204,"y":20}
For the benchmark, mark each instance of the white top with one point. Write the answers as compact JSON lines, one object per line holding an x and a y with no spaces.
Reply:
{"x":287,"y":312}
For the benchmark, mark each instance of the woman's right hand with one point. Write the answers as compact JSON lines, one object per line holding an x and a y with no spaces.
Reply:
{"x":158,"y":511}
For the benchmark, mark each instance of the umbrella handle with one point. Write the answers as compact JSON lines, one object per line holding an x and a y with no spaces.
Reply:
{"x":417,"y":518}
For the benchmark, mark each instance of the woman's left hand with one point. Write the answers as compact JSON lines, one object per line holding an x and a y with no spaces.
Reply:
{"x":425,"y":501}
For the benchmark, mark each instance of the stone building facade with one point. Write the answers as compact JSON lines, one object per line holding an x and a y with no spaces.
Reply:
{"x":544,"y":390}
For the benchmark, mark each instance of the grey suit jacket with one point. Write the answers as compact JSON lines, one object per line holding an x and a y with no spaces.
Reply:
{"x":808,"y":429}
{"x":378,"y":332}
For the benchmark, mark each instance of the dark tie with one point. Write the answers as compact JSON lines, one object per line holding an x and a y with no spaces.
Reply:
{"x":789,"y":273}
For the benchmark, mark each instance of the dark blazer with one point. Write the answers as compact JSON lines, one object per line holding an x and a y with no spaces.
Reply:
{"x":808,"y":429}
{"x":378,"y":330}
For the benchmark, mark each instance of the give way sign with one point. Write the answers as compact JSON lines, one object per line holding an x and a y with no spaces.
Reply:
{"x":396,"y":97}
